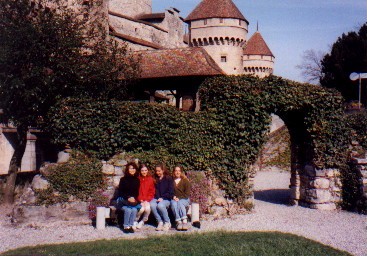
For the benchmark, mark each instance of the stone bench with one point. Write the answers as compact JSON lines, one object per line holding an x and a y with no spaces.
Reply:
{"x":112,"y":214}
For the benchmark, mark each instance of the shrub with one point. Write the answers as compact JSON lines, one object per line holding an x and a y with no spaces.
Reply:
{"x":351,"y":193}
{"x":358,"y":122}
{"x":200,"y":190}
{"x":80,"y":177}
{"x":97,"y":199}
{"x":49,"y":197}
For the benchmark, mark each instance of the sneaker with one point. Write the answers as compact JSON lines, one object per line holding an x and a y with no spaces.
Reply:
{"x":166,"y":226}
{"x":160,"y":226}
{"x":131,"y":230}
{"x":126,"y":230}
{"x":184,"y":226}
{"x":140,"y":225}
{"x":179,"y":225}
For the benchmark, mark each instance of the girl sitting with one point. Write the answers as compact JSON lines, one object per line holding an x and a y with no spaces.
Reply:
{"x":163,"y":196}
{"x":181,"y":198}
{"x":146,"y":194}
{"x":128,"y":192}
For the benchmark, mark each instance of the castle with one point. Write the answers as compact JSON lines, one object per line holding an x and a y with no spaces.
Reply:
{"x":217,"y":26}
{"x":177,"y":54}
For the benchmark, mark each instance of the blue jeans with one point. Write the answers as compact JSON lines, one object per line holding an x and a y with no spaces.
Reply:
{"x":160,"y":210}
{"x":130,"y":212}
{"x":179,"y":208}
{"x":129,"y":215}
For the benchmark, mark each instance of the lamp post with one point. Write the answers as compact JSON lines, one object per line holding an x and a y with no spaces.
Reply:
{"x":354,"y":76}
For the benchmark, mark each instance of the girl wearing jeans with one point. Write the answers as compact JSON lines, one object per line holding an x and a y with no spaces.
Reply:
{"x":146,"y":194}
{"x":181,"y":198}
{"x":163,"y":195}
{"x":128,"y":196}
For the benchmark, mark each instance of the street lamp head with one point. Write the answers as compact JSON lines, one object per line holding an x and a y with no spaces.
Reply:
{"x":355,"y":76}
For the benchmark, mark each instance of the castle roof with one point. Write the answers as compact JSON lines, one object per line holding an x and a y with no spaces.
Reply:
{"x":216,"y":9}
{"x":179,"y":62}
{"x":256,"y":46}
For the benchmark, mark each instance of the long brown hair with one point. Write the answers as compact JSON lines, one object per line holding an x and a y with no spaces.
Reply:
{"x":141,"y":167}
{"x":183,"y":176}
{"x":163,"y":167}
{"x":127,"y":173}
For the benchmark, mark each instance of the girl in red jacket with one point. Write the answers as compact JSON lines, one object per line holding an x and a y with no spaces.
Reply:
{"x":146,"y":194}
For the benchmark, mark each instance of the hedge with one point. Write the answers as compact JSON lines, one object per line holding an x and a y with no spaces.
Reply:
{"x":225,"y":138}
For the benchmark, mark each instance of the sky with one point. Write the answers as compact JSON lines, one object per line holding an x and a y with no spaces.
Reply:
{"x":290,"y":27}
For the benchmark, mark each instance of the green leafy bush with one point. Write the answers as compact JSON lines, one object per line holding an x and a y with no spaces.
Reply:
{"x":225,"y":138}
{"x":80,"y":177}
{"x":358,"y":122}
{"x":351,"y":190}
{"x":49,"y":197}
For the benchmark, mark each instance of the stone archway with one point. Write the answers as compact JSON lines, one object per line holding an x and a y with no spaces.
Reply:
{"x":310,"y":187}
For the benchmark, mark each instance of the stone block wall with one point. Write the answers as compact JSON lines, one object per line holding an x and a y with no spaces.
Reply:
{"x":318,"y":188}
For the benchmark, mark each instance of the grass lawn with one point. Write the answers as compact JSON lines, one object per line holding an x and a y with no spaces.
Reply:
{"x":215,"y":243}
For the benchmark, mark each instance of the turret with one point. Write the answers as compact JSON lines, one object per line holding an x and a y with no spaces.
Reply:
{"x":221,"y":29}
{"x":131,"y":8}
{"x":257,"y":57}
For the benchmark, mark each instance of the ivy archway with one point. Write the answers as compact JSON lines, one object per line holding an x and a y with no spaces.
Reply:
{"x":313,"y":116}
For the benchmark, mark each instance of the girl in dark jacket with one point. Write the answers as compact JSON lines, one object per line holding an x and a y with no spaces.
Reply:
{"x":128,"y":196}
{"x":163,"y":195}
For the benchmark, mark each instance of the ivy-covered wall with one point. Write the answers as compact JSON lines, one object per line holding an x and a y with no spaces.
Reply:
{"x":224,"y":139}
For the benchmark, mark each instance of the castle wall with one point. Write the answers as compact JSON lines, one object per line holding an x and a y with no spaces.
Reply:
{"x":258,"y":65}
{"x":138,"y":30}
{"x":215,"y":28}
{"x":131,"y":8}
{"x":223,"y":39}
{"x":232,"y":65}
{"x":176,"y":30}
{"x":134,"y":46}
{"x":169,"y":33}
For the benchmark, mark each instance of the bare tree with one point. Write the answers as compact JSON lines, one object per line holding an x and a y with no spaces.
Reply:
{"x":311,"y":67}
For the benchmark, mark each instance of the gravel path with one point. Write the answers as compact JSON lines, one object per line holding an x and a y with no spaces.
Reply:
{"x":341,"y":230}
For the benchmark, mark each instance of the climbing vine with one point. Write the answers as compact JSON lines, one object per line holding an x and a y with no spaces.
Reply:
{"x":225,"y":138}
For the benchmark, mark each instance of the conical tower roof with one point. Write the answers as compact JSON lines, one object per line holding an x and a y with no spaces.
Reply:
{"x":256,"y":46}
{"x":216,"y":9}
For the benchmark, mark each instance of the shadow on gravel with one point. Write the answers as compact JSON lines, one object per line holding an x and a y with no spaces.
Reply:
{"x":275,"y":196}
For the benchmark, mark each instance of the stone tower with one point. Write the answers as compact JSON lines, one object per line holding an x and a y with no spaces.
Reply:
{"x":257,"y":57}
{"x":131,"y":8}
{"x":221,"y":29}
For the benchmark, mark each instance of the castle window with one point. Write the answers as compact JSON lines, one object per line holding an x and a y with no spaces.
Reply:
{"x":205,"y":22}
{"x":223,"y":58}
{"x":240,"y":22}
{"x":221,"y":20}
{"x":136,"y":29}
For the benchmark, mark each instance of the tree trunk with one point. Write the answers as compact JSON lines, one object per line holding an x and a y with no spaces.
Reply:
{"x":15,"y":165}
